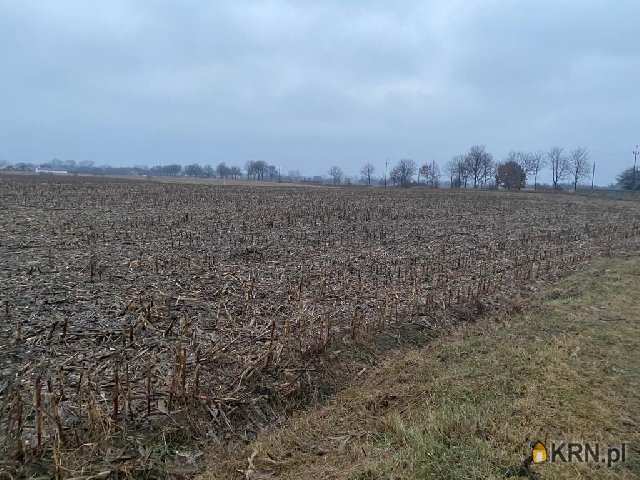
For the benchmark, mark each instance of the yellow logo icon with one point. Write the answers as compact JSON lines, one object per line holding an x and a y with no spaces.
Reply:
{"x":539,"y":453}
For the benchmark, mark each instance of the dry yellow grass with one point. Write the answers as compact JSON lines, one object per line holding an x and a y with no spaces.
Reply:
{"x":466,"y":406}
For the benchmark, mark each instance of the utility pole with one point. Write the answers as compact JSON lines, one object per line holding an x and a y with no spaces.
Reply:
{"x":386,"y":165}
{"x":636,"y":152}
{"x":593,"y":174}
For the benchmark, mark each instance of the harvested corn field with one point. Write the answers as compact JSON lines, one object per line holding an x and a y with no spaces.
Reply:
{"x":134,"y":309}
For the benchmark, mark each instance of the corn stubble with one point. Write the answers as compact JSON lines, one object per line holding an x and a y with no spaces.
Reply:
{"x":139,"y":313}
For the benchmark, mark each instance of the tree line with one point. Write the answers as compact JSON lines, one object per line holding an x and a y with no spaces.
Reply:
{"x":257,"y":170}
{"x":474,"y":169}
{"x":478,"y":169}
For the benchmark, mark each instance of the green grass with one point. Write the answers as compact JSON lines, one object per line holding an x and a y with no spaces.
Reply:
{"x":467,"y":406}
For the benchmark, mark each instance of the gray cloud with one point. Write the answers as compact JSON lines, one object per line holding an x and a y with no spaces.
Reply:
{"x":306,"y":84}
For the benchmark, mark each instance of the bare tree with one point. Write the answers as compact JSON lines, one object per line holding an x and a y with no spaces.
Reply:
{"x":271,"y":171}
{"x":222,"y":170}
{"x":403,"y":172}
{"x":487,"y":169}
{"x":367,"y":171}
{"x":209,"y":171}
{"x":424,"y":171}
{"x":459,"y":168}
{"x":579,"y":165}
{"x":533,"y":162}
{"x":235,"y":172}
{"x":257,"y":169}
{"x":473,"y":164}
{"x":458,"y":171}
{"x":433,"y":175}
{"x":559,"y":165}
{"x":252,"y":168}
{"x":452,"y":169}
{"x":479,"y":163}
{"x":336,"y":175}
{"x":193,"y":170}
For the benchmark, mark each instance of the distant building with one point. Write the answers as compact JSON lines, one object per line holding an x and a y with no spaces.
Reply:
{"x":51,"y":172}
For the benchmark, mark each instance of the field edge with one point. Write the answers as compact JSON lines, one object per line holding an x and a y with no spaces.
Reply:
{"x":468,"y":404}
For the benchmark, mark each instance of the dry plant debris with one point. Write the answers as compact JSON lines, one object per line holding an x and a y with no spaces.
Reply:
{"x":135,"y":310}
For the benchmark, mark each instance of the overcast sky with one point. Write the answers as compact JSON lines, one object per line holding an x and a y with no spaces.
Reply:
{"x":306,"y":84}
